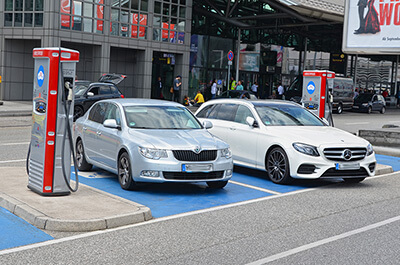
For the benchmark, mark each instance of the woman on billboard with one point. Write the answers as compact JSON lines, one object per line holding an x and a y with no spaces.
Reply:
{"x":369,"y":23}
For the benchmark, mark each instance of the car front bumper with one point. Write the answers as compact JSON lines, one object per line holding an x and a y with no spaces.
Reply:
{"x":309,"y":167}
{"x":172,"y":170}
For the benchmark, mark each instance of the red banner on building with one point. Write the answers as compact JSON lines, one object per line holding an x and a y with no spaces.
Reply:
{"x":66,"y":7}
{"x":100,"y":15}
{"x":141,"y":20}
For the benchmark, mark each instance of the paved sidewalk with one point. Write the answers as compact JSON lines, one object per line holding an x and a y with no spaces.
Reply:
{"x":88,"y":209}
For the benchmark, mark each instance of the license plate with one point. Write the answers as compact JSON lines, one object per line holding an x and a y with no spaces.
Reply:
{"x":197,"y":167}
{"x":347,"y":166}
{"x":356,"y":107}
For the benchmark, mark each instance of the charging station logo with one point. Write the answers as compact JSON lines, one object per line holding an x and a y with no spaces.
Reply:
{"x":40,"y":76}
{"x":310,"y":87}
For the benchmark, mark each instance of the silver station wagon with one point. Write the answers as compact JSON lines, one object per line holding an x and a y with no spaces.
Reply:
{"x":144,"y":140}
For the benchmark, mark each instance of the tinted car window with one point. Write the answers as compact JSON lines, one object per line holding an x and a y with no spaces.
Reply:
{"x":114,"y":90}
{"x":214,"y":112}
{"x":226,"y":112}
{"x":242,"y":113}
{"x":97,"y":113}
{"x":204,"y":113}
{"x":105,"y":90}
{"x":94,"y":90}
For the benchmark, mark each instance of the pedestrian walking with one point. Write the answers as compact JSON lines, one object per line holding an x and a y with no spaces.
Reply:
{"x":254,"y":88}
{"x":281,"y":91}
{"x":214,"y":89}
{"x":177,"y":89}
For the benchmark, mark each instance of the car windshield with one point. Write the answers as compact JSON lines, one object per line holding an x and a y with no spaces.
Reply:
{"x":287,"y":115}
{"x":160,"y":117}
{"x":364,"y":97}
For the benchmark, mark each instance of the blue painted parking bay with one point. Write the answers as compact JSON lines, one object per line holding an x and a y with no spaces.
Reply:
{"x":17,"y":232}
{"x":169,"y":198}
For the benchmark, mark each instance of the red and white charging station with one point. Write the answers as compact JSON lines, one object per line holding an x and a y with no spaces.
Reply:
{"x":54,"y":77}
{"x":316,"y":86}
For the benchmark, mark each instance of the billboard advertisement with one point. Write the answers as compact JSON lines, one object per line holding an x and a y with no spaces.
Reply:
{"x":371,"y":27}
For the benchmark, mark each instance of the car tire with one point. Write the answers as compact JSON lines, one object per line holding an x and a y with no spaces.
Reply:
{"x":277,"y":166}
{"x":340,"y":108}
{"x":383,"y":110}
{"x":78,"y":112}
{"x":83,"y":165}
{"x":125,"y":172}
{"x":369,"y":110}
{"x":353,"y":180}
{"x":216,"y":184}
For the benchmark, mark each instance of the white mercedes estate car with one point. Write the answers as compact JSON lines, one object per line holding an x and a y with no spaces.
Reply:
{"x":287,"y":141}
{"x":144,"y":140}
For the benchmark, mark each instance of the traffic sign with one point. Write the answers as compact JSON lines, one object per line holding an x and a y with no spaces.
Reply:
{"x":230,"y":55}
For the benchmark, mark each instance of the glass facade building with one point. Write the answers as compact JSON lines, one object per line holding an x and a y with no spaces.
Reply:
{"x":143,"y":39}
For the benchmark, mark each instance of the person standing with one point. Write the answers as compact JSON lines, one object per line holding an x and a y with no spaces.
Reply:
{"x":281,"y":91}
{"x":177,"y":89}
{"x":254,"y":88}
{"x":158,"y":89}
{"x":214,"y":89}
{"x":233,"y":83}
{"x":239,"y":85}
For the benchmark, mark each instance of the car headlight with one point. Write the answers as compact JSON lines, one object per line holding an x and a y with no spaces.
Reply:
{"x":364,"y":104}
{"x":370,"y":150}
{"x":153,"y":153}
{"x":306,"y":149}
{"x":226,"y":153}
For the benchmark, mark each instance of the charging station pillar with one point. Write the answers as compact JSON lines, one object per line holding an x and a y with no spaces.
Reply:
{"x":53,"y":68}
{"x":316,"y":85}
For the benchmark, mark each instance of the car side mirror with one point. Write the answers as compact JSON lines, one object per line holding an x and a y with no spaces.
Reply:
{"x":111,"y":123}
{"x":207,"y":124}
{"x":251,"y":122}
{"x":90,"y":94}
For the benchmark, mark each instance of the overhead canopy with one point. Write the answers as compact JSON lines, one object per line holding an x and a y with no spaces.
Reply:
{"x":287,"y":23}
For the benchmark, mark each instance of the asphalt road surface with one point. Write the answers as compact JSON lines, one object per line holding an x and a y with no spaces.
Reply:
{"x":333,"y":224}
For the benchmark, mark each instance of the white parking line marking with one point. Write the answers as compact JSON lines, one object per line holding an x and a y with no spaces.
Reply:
{"x":8,"y":144}
{"x":162,"y":219}
{"x":254,"y":187}
{"x":12,"y":161}
{"x":324,"y":241}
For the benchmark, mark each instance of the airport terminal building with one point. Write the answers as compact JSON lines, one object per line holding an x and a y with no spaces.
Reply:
{"x":147,"y":39}
{"x":140,"y":38}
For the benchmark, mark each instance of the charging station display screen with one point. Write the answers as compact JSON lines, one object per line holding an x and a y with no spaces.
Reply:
{"x":311,"y":92}
{"x":40,"y":90}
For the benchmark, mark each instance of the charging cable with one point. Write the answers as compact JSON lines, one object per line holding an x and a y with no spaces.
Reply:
{"x":67,"y":107}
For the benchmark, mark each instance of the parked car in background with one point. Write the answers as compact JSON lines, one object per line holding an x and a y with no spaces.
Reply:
{"x":243,"y":94}
{"x":144,"y":140}
{"x":87,"y":93}
{"x":287,"y":141}
{"x":368,"y":102}
{"x":342,"y":92}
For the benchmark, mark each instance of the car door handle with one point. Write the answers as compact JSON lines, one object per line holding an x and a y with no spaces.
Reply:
{"x":84,"y":128}
{"x":98,"y":133}
{"x":232,"y":128}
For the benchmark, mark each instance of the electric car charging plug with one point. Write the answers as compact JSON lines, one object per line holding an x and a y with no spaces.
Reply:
{"x":70,"y":92}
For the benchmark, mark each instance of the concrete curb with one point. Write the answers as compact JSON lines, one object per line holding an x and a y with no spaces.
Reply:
{"x":42,"y":221}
